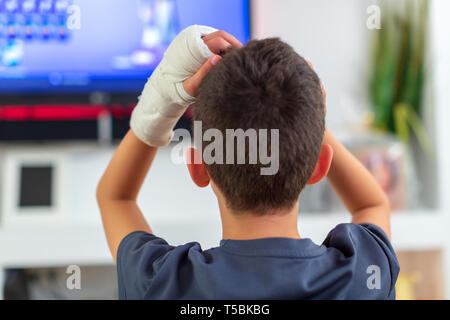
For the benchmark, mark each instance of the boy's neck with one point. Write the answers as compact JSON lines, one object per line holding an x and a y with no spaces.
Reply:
{"x":247,"y":225}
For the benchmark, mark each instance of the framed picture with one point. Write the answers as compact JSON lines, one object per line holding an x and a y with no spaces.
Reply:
{"x":33,"y":184}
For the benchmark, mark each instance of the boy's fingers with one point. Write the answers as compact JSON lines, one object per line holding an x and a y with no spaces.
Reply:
{"x":225,"y":35}
{"x":231,"y":39}
{"x":224,"y":38}
{"x":323,"y":91}
{"x":192,"y":84}
{"x":206,"y":67}
{"x":217,"y":45}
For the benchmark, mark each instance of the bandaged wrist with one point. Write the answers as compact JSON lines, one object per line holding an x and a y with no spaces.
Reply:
{"x":164,"y":100}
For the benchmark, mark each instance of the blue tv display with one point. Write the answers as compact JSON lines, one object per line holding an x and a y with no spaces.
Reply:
{"x":80,"y":46}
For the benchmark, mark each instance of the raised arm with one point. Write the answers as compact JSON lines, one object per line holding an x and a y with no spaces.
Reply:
{"x":118,"y":189}
{"x":357,"y":188}
{"x":355,"y":185}
{"x":152,"y":124}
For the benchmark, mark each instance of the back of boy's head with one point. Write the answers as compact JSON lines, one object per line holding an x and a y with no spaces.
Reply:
{"x":264,"y":85}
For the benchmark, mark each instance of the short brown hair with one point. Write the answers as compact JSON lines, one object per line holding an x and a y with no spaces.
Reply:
{"x":264,"y":85}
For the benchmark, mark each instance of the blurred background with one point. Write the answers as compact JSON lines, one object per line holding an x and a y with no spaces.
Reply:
{"x":70,"y":75}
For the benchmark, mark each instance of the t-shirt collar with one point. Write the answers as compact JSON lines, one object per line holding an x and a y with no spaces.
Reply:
{"x":277,"y":247}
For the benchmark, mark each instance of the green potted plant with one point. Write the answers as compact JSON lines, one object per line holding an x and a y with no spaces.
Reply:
{"x":397,"y":71}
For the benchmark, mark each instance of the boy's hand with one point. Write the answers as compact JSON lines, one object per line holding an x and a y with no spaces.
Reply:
{"x":192,"y":84}
{"x":217,"y":42}
{"x":165,"y":97}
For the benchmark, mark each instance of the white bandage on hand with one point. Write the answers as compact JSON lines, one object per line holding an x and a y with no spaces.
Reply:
{"x":164,"y":100}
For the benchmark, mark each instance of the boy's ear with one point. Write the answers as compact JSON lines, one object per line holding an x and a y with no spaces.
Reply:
{"x":196,"y":168}
{"x":323,"y":164}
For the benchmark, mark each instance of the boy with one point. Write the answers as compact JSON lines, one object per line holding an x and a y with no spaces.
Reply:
{"x":263,"y":85}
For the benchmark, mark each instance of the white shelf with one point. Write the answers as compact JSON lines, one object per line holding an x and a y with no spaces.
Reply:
{"x":86,"y":244}
{"x":43,"y":247}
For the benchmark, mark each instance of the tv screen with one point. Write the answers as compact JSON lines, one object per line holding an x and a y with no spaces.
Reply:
{"x":82,"y":46}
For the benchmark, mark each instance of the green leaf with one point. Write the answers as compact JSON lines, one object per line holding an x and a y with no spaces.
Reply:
{"x":420,"y":132}
{"x":401,"y":112}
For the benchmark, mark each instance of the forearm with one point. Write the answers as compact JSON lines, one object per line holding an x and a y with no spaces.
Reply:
{"x":118,"y":189}
{"x":353,"y":183}
{"x":126,"y":172}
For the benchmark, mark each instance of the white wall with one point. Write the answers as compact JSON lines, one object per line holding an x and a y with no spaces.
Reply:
{"x":440,"y":56}
{"x":332,"y":34}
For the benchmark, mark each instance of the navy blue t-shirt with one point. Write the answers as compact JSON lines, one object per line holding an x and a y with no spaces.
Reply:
{"x":354,"y":262}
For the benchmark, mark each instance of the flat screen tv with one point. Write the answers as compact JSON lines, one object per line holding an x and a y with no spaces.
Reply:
{"x":84,"y":46}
